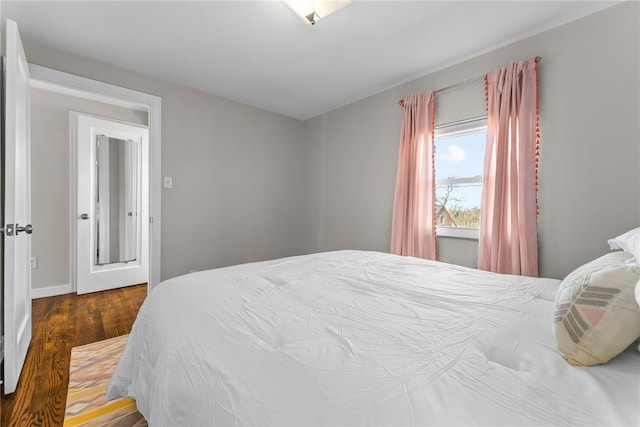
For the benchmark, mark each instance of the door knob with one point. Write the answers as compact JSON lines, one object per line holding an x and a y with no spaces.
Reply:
{"x":27,"y":229}
{"x":84,"y":216}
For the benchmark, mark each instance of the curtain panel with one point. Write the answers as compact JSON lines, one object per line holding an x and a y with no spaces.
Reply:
{"x":413,"y":231}
{"x":508,"y":225}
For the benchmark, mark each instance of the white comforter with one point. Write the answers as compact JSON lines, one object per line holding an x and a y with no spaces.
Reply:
{"x":357,"y":338}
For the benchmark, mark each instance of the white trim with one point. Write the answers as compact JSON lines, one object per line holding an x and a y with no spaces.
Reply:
{"x":461,"y":127}
{"x":69,"y":84}
{"x":458,"y":232}
{"x":50,"y":291}
{"x":43,"y":77}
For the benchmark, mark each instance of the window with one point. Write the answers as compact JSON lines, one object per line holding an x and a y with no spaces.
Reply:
{"x":459,"y":163}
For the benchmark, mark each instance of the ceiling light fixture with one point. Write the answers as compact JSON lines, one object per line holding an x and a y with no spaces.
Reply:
{"x":310,"y":11}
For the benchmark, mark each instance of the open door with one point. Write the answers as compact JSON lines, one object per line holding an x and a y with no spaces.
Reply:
{"x":16,"y":228}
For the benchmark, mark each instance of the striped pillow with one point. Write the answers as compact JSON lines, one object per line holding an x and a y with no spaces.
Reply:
{"x":596,"y":314}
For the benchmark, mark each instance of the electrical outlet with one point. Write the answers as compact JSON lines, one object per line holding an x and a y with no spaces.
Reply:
{"x":34,"y":262}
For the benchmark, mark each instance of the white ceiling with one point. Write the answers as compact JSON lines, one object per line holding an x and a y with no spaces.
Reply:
{"x":259,"y":53}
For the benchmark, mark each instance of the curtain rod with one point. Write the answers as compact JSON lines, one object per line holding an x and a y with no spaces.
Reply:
{"x":466,"y":82}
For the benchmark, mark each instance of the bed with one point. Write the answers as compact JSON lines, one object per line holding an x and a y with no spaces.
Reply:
{"x":357,"y":338}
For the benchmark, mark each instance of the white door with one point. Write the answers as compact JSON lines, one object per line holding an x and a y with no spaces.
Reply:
{"x":112,"y":219}
{"x":17,"y":210}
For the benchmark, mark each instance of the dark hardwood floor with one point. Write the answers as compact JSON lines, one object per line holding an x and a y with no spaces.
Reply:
{"x":60,"y":323}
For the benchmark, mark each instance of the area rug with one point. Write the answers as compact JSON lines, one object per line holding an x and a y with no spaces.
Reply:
{"x":90,"y":369}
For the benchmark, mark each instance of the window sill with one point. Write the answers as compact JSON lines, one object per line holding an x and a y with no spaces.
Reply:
{"x":458,"y":232}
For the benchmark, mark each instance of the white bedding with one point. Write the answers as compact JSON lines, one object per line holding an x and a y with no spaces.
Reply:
{"x":362,"y":338}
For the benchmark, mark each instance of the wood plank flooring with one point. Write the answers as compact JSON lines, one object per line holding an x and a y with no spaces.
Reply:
{"x":60,"y":323}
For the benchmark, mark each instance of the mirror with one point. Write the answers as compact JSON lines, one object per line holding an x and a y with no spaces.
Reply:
{"x":116,"y":204}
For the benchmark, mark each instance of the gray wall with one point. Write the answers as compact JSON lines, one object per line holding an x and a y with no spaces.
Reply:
{"x":251,"y":185}
{"x":590,"y":146}
{"x":237,"y":173}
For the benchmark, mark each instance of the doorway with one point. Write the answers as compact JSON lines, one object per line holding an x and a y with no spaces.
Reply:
{"x":112,"y":199}
{"x":53,"y":81}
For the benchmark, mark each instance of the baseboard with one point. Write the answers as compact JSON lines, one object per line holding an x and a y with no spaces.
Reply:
{"x":50,"y":291}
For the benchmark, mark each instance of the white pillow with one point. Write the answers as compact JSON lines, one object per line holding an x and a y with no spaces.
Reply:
{"x":628,"y":242}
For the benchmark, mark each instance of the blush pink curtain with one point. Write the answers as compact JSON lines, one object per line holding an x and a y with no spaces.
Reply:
{"x":508,"y":229}
{"x":413,"y":232}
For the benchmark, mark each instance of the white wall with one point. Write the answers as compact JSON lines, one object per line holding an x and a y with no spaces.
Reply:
{"x":237,"y":171}
{"x":590,"y":147}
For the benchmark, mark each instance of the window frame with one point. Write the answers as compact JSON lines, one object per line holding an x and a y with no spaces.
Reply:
{"x":448,"y":130}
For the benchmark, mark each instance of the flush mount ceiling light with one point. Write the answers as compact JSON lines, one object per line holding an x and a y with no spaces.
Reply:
{"x":310,"y":11}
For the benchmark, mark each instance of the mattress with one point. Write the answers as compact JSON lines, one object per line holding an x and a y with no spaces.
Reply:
{"x":357,"y":338}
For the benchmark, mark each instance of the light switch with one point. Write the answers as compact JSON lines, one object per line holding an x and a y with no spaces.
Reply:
{"x":168,"y":182}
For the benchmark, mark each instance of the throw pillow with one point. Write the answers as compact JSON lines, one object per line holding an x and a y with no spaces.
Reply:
{"x":596,"y":314}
